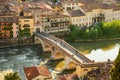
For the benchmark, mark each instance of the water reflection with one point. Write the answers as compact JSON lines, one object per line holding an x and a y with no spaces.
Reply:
{"x":99,"y":51}
{"x":100,"y":55}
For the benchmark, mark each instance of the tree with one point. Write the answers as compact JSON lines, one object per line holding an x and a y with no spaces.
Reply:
{"x":73,"y":27}
{"x":74,"y":34}
{"x":23,"y":0}
{"x":54,"y":1}
{"x":115,"y":71}
{"x":12,"y":76}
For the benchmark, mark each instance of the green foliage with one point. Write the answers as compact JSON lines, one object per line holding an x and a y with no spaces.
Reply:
{"x":100,"y":30}
{"x":86,"y":34}
{"x":54,"y":1}
{"x":12,"y":76}
{"x":115,"y":71}
{"x":74,"y":33}
{"x":118,"y":5}
{"x":73,"y":27}
{"x":24,"y":33}
{"x":24,"y":0}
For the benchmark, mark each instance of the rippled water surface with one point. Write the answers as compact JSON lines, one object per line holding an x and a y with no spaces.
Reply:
{"x":17,"y":58}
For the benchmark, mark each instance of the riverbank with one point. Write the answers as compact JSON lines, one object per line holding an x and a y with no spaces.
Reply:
{"x":20,"y":45}
{"x":16,"y":42}
{"x":92,"y":40}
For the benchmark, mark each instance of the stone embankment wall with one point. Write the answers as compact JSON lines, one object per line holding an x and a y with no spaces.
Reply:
{"x":16,"y":42}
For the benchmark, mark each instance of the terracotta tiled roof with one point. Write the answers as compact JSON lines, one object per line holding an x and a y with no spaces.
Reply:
{"x":55,"y":15}
{"x":93,"y":4}
{"x":36,"y":6}
{"x":61,"y":78}
{"x":34,"y":71}
{"x":7,"y":11}
{"x":31,"y":72}
{"x":75,"y":13}
{"x":70,"y":1}
{"x":9,"y":19}
{"x":89,"y":5}
{"x":43,"y":71}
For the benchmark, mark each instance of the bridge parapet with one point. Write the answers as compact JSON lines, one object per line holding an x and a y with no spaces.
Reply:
{"x":58,"y":47}
{"x":73,"y":58}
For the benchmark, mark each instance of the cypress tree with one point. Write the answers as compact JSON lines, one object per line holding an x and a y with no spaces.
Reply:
{"x":115,"y":71}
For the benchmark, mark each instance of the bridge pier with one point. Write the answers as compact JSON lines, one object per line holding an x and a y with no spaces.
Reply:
{"x":73,"y":58}
{"x":45,"y":46}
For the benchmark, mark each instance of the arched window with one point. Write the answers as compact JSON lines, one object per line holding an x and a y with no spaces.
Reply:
{"x":26,"y":25}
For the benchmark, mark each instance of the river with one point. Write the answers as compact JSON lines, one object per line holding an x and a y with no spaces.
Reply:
{"x":18,"y":57}
{"x":99,"y":50}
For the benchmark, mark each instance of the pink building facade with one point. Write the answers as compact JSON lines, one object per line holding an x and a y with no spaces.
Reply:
{"x":15,"y":30}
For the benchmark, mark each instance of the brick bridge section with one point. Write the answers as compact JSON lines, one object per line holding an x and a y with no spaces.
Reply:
{"x":61,"y":49}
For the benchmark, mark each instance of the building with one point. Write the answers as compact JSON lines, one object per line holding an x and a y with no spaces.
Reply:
{"x":92,"y":11}
{"x":101,"y":73}
{"x":54,"y":22}
{"x":36,"y":8}
{"x":37,"y":73}
{"x":57,"y":7}
{"x":68,"y":77}
{"x":26,"y":24}
{"x":71,"y":4}
{"x":8,"y":23}
{"x":77,"y":16}
{"x":82,"y":70}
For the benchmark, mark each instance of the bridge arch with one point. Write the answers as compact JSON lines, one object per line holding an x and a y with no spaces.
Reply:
{"x":37,"y":30}
{"x":59,"y":55}
{"x":45,"y":47}
{"x":69,"y":53}
{"x":71,"y":65}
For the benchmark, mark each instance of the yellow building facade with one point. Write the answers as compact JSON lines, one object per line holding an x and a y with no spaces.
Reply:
{"x":26,"y":23}
{"x":82,"y":70}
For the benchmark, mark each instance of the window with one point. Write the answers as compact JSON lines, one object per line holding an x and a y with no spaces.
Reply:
{"x":65,"y":19}
{"x":55,"y":20}
{"x":51,"y":20}
{"x":73,"y":20}
{"x":60,"y":19}
{"x":85,"y":70}
{"x":26,"y":20}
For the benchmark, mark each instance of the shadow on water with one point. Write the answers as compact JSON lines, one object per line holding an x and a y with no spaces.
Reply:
{"x":53,"y":63}
{"x":68,"y":71}
{"x":45,"y":55}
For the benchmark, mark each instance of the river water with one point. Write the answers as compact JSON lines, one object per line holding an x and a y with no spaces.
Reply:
{"x":19,"y":57}
{"x":99,"y":50}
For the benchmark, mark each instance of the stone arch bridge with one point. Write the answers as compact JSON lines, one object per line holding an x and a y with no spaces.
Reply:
{"x":61,"y":49}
